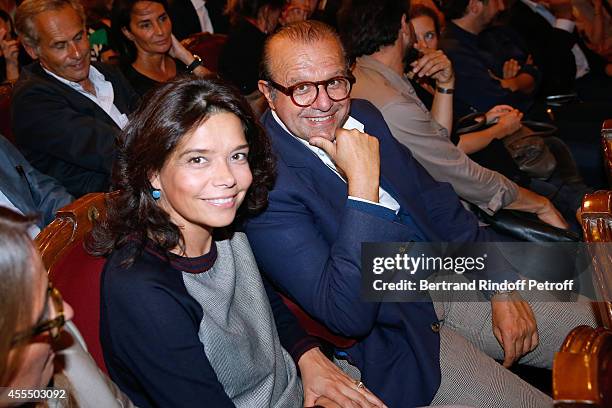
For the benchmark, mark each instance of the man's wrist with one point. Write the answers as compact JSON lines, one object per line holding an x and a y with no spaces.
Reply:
{"x":363,"y":188}
{"x":496,"y":295}
{"x":545,"y":205}
{"x":450,"y":84}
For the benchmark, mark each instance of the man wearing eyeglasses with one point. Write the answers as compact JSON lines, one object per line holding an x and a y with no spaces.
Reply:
{"x":342,"y":179}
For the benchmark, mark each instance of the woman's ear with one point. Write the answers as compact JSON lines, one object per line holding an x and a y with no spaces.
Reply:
{"x":127,"y":33}
{"x":154,"y":180}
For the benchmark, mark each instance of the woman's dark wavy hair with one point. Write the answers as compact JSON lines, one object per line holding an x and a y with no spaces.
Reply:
{"x":421,"y":10}
{"x":121,"y":14}
{"x":366,"y":25}
{"x":171,"y":111}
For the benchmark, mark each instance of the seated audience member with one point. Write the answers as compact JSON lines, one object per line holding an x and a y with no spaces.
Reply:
{"x":578,"y":123}
{"x":252,"y":21}
{"x":196,"y":16}
{"x":205,"y":327}
{"x":321,"y":10}
{"x":27,"y":190}
{"x":297,"y":10}
{"x":67,"y":113}
{"x":366,"y":187}
{"x":474,"y":65}
{"x":373,"y":32}
{"x":547,"y":28}
{"x":150,"y":54}
{"x":594,"y":23}
{"x":98,"y":21}
{"x":39,"y":346}
{"x":9,"y":49}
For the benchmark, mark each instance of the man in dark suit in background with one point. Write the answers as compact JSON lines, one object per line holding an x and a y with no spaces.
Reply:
{"x":66,"y":112}
{"x":343,"y":180}
{"x":548,"y":30}
{"x":195,"y":16}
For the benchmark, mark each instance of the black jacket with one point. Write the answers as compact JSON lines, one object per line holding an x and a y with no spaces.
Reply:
{"x":550,"y":47}
{"x":185,"y":19}
{"x":65,"y":134}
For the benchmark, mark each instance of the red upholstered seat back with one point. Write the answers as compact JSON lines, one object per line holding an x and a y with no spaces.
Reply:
{"x":6,"y":94}
{"x":315,"y":328}
{"x":77,"y":276}
{"x":208,"y":46}
{"x":606,"y":140}
{"x":74,"y":272}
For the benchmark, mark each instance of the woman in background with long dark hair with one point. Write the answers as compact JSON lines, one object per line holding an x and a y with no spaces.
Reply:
{"x":149,"y":52}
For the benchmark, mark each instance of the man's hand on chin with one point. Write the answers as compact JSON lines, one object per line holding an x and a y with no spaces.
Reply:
{"x":357,"y":156}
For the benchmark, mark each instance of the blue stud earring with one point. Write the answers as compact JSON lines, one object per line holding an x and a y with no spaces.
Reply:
{"x":156,"y":194}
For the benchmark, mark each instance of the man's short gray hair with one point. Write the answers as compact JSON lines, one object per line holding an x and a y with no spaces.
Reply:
{"x":29,"y":9}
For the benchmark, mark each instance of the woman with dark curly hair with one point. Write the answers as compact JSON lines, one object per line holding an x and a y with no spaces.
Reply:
{"x":185,"y":316}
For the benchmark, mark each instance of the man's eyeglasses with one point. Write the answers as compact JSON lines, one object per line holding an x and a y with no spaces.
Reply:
{"x":305,"y":94}
{"x":54,"y":325}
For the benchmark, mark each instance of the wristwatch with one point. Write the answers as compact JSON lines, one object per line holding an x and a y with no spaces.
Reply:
{"x":441,"y":90}
{"x":197,"y":61}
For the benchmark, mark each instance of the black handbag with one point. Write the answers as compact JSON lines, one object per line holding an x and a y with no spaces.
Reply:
{"x":526,"y":146}
{"x":524,"y":227}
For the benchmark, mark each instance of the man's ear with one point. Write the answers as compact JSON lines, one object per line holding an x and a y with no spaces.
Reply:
{"x":264,"y":88}
{"x":475,"y":6}
{"x":406,"y":31}
{"x":32,"y":51}
{"x":404,"y":27}
{"x":127,"y":33}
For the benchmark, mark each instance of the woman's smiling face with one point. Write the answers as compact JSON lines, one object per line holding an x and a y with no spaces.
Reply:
{"x":205,"y":179}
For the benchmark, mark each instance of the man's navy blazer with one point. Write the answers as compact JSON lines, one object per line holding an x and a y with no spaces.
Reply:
{"x":308,"y":242}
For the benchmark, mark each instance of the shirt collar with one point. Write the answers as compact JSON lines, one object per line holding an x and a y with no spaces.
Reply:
{"x":531,"y":4}
{"x":94,"y":76}
{"x":368,"y":62}
{"x":351,"y":123}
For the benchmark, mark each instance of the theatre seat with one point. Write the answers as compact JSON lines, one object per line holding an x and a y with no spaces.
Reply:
{"x":6,"y":94}
{"x":315,"y":328}
{"x":582,"y":369}
{"x":72,"y":270}
{"x":207,"y":46}
{"x":606,"y":139}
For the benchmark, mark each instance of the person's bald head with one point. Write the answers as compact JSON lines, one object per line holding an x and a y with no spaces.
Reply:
{"x":308,"y":32}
